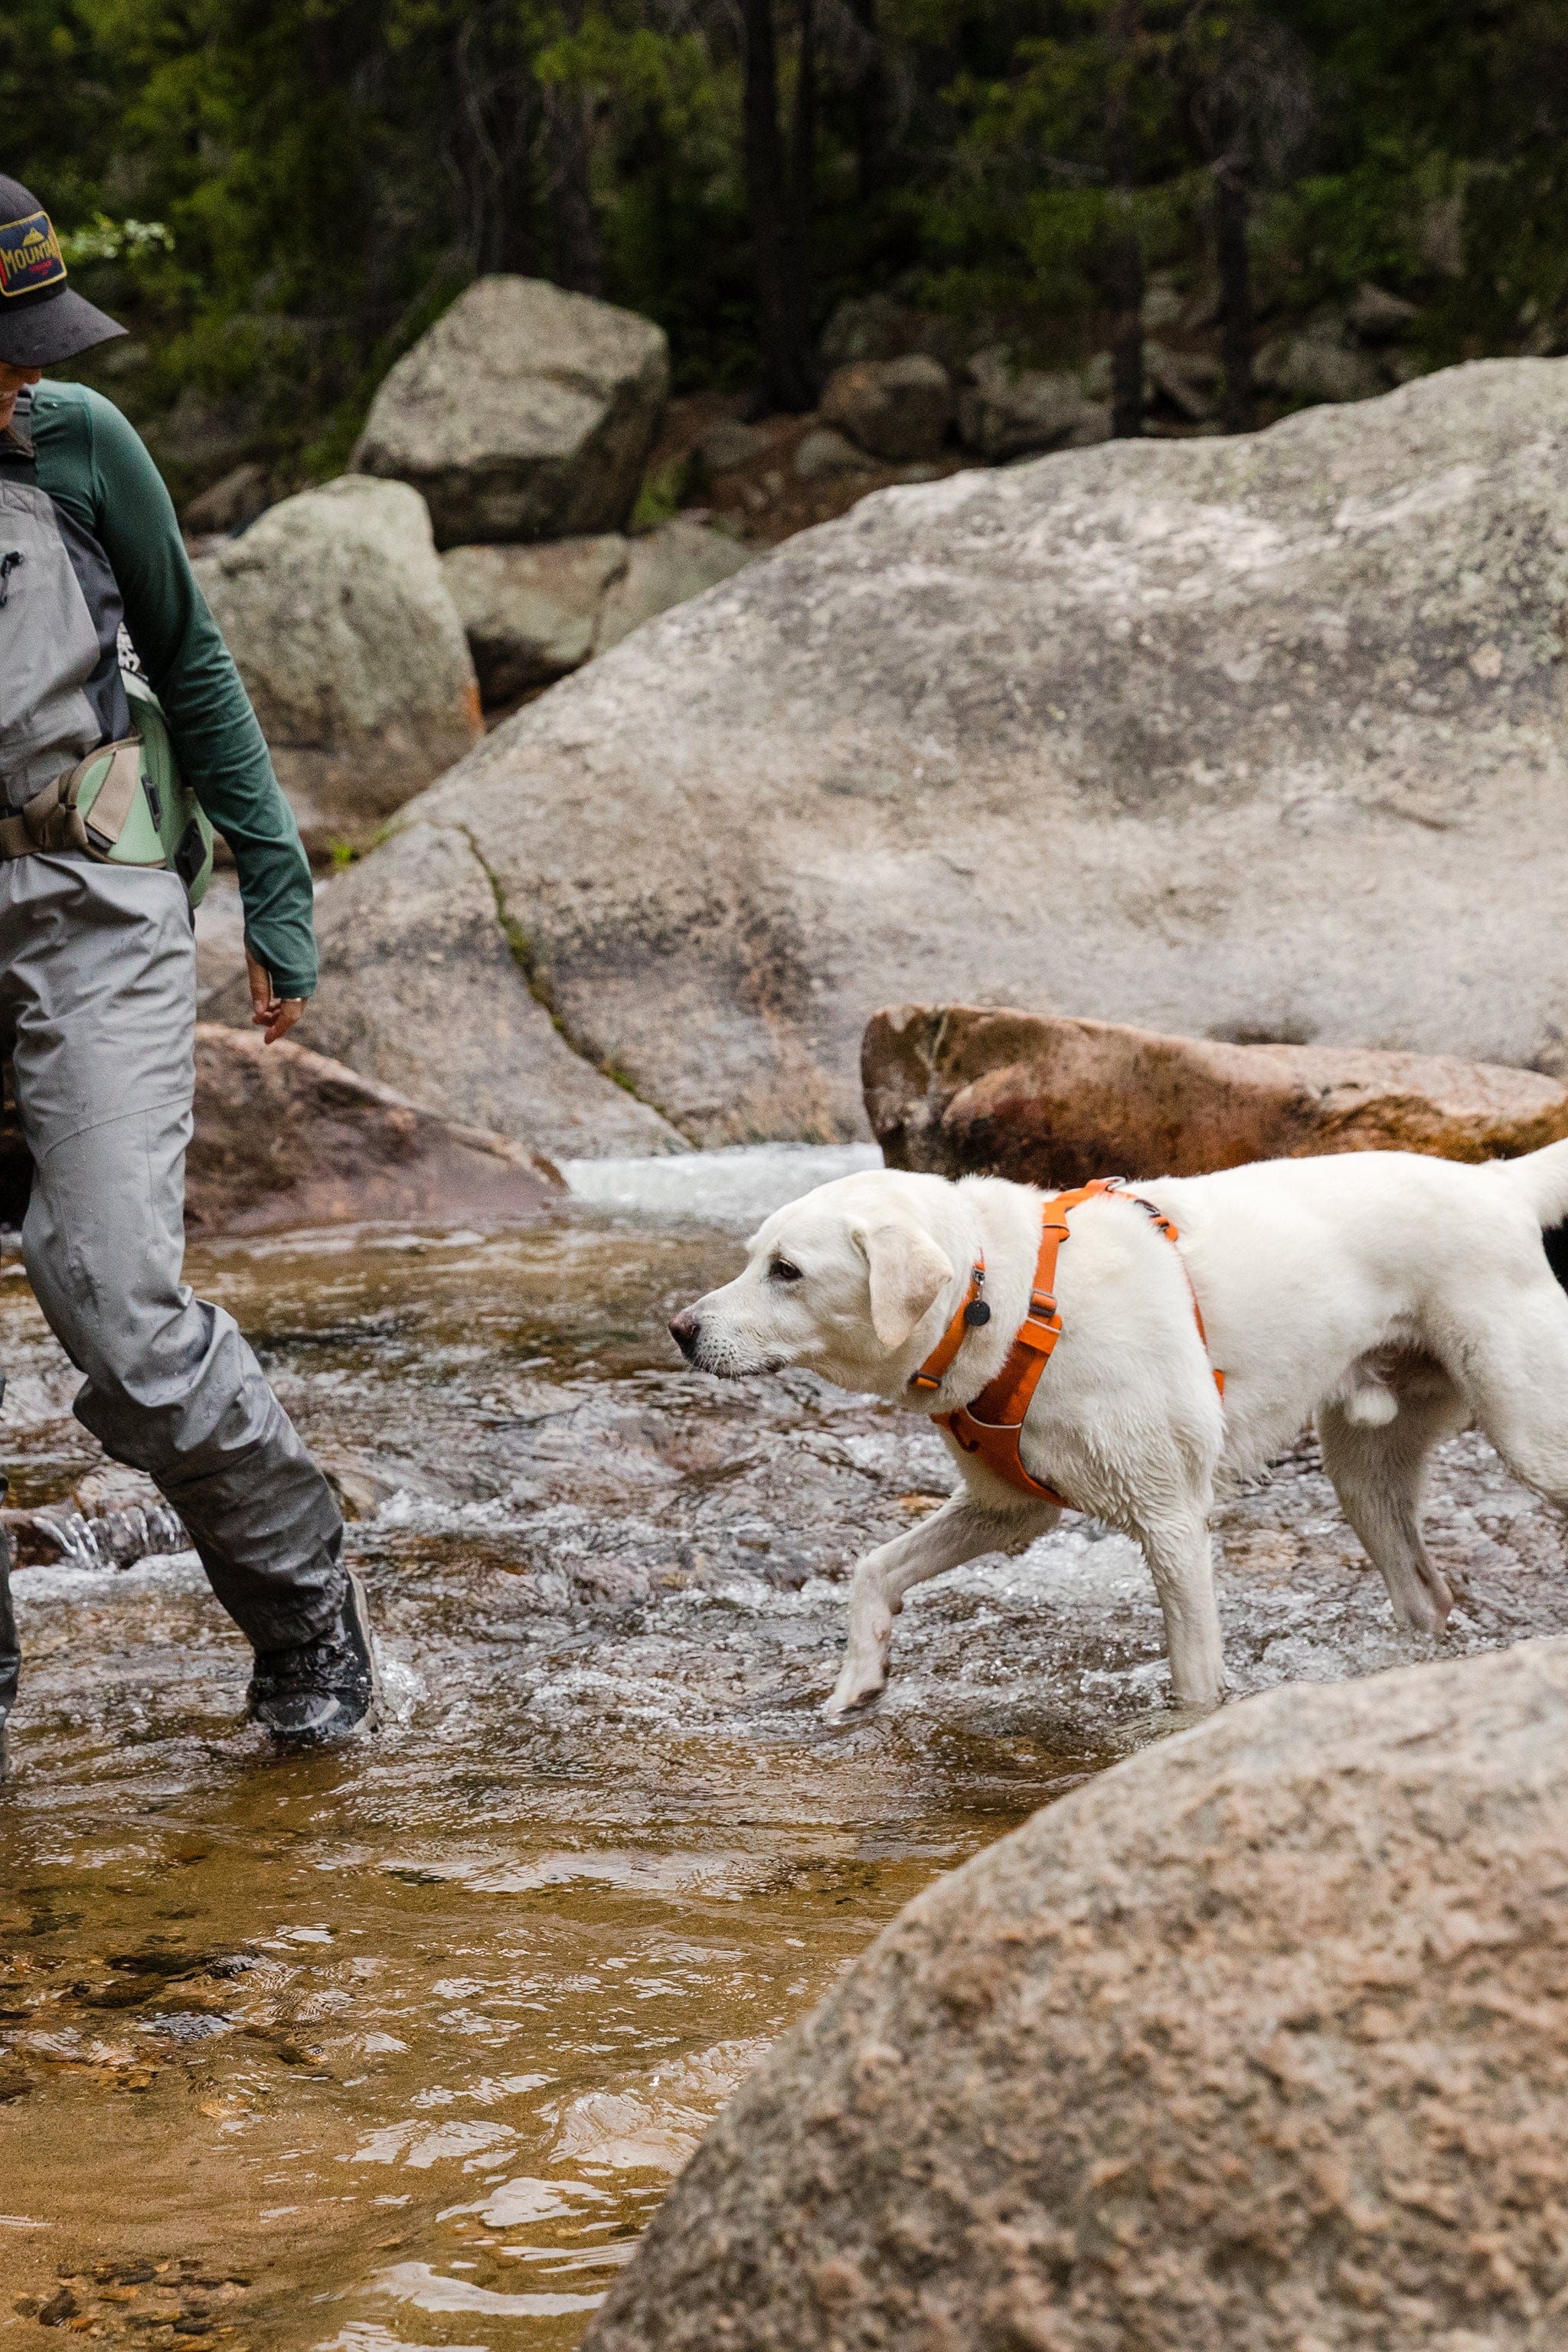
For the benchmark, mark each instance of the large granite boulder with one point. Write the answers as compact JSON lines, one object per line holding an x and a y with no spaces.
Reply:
{"x":959,"y":1089}
{"x":524,"y":413}
{"x":680,"y":559}
{"x":334,"y":608}
{"x":1251,"y":737}
{"x":531,"y":613}
{"x":1258,"y":2043}
{"x":429,"y":984}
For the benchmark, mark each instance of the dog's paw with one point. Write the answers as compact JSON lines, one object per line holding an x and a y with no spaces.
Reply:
{"x":852,"y":1695}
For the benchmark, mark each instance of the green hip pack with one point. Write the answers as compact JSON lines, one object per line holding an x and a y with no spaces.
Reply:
{"x":125,"y":804}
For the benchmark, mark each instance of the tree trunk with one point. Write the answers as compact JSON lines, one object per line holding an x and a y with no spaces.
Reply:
{"x":775,"y":242}
{"x":1123,"y":277}
{"x":871,"y":100}
{"x":803,"y":177}
{"x":1123,"y":268}
{"x":577,"y":231}
{"x":492,"y":147}
{"x":577,"y":263}
{"x":1239,"y":412}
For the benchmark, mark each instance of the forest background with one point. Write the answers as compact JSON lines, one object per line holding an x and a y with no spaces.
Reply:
{"x":280,"y":195}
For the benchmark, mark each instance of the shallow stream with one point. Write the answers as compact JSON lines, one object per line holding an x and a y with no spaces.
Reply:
{"x":399,"y":2046}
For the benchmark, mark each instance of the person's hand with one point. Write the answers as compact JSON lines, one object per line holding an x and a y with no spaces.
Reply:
{"x":268,"y":1011}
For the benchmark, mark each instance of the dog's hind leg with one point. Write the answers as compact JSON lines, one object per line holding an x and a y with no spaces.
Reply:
{"x":960,"y":1530}
{"x":1378,"y":1471}
{"x":1176,"y":1545}
{"x":1514,"y":1369}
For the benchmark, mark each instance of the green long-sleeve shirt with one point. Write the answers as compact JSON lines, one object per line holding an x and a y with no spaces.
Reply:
{"x":93,"y":464}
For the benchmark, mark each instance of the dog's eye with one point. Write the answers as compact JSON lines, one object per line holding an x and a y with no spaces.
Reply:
{"x":780,"y":1270}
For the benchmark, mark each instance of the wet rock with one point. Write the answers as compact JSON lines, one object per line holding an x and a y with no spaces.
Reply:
{"x":115,"y":1516}
{"x":530,"y":612}
{"x":62,"y":2306}
{"x":959,"y":1088}
{"x":334,"y":607}
{"x":899,"y":409}
{"x":1212,"y":2052}
{"x":525,"y":413}
{"x":681,"y":559}
{"x":359,"y":1486}
{"x":823,"y":454}
{"x":284,"y":1137}
{"x":427,"y":984}
{"x":1254,"y":736}
{"x":1007,"y":413}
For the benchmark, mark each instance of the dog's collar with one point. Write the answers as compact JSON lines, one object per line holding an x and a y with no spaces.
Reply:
{"x":973,"y":1310}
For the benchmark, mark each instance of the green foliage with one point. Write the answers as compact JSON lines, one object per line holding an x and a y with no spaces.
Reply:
{"x":279,"y":195}
{"x":663,"y":495}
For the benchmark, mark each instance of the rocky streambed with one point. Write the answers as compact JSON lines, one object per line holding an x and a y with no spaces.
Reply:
{"x":401,"y":2046}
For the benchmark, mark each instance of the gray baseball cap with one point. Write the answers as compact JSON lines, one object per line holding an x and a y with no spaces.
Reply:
{"x":42,"y":319}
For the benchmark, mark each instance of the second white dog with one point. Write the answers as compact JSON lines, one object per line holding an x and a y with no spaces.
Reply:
{"x":1397,"y":1298}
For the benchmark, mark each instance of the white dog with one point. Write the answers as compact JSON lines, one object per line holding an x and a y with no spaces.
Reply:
{"x":1397,"y":1298}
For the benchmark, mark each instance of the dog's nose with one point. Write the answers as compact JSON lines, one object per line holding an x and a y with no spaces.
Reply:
{"x":683,"y":1330}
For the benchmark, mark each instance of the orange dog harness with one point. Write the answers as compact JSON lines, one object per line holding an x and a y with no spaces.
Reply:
{"x":990,"y":1426}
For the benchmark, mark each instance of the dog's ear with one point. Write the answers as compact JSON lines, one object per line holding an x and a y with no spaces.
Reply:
{"x":907,"y":1275}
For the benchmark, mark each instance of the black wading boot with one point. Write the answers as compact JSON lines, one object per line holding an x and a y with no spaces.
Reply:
{"x":319,"y":1690}
{"x":10,"y":1649}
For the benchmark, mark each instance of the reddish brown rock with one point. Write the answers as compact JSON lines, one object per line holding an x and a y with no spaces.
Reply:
{"x":958,"y":1088}
{"x":285,"y":1137}
{"x":1257,"y":2042}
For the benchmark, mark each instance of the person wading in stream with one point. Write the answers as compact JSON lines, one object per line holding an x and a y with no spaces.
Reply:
{"x":98,"y":996}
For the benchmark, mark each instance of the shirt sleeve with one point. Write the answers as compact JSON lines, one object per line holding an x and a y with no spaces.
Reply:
{"x":217,"y":739}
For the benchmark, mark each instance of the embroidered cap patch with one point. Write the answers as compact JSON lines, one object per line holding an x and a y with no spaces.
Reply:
{"x":30,"y":255}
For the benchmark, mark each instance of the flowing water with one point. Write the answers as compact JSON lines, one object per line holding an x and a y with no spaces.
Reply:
{"x":399,"y":2046}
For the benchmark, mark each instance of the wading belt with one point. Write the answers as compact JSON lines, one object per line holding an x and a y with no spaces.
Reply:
{"x":53,"y":820}
{"x":990,"y":1426}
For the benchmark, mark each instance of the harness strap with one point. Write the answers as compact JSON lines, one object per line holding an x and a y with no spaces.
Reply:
{"x":992,"y":1425}
{"x":51,"y":819}
{"x":1119,"y":1184}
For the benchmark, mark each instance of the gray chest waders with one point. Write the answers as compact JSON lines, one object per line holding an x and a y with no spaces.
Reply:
{"x":125,"y":804}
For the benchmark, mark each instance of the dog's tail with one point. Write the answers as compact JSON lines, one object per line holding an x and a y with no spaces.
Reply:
{"x":1542,"y":1178}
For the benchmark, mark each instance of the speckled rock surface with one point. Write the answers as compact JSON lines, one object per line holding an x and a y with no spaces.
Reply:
{"x":531,"y":612}
{"x":285,"y":1137}
{"x":1250,"y":738}
{"x":680,"y":559}
{"x":961,"y":1090}
{"x":1257,"y":2043}
{"x":525,"y":412}
{"x":425,"y":987}
{"x":334,"y":608}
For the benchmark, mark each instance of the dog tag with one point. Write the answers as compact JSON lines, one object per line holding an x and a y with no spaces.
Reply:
{"x":976,"y":1313}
